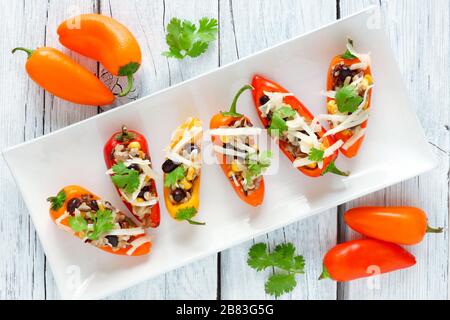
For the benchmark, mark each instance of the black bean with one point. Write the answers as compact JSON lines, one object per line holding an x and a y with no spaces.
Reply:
{"x":134,"y":166}
{"x":168,"y":166}
{"x":191,"y":147}
{"x":144,"y":190}
{"x":178,"y":194}
{"x":264,"y":99}
{"x":93,"y":205}
{"x":73,"y":204}
{"x":113,"y":240}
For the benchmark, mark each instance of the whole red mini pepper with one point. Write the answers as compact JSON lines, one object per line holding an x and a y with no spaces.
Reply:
{"x":227,"y":119}
{"x":364,"y":258}
{"x":262,"y":85}
{"x":125,"y":137}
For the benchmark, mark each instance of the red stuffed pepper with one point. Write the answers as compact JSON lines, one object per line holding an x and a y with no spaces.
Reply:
{"x":349,"y":83}
{"x":96,"y":222}
{"x":301,"y":138}
{"x":129,"y":164}
{"x":238,"y":154}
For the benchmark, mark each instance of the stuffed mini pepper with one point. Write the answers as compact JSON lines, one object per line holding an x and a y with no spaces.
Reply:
{"x":128,"y":161}
{"x":182,"y":171}
{"x":301,"y":138}
{"x":349,"y":84}
{"x":237,"y":151}
{"x":95,"y":221}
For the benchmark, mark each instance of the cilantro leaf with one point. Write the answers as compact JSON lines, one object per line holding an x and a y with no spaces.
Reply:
{"x":257,"y":166}
{"x":173,"y":177}
{"x":316,"y":155}
{"x":331,"y":168}
{"x":78,"y":224}
{"x":286,"y":112}
{"x":102,"y":223}
{"x":58,"y":201}
{"x":280,"y":283}
{"x":187,"y":214}
{"x":184,"y":38}
{"x":258,"y":258}
{"x":347,"y":99}
{"x":125,"y":178}
{"x":283,"y":257}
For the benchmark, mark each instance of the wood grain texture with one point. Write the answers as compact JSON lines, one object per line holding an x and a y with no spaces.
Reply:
{"x":422,"y":52}
{"x":415,"y":28}
{"x":247,"y":27}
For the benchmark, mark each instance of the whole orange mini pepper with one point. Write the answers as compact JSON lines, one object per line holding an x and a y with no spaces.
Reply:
{"x":401,"y":225}
{"x":104,"y":39}
{"x":65,"y":78}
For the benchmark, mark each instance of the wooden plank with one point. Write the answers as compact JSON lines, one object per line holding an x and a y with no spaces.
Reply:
{"x":147,"y":21}
{"x":28,"y":112}
{"x":246,"y":27}
{"x":415,"y":29}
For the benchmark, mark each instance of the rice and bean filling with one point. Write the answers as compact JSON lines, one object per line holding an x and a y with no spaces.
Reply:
{"x":97,"y":222}
{"x":246,"y":161}
{"x":143,"y":197}
{"x":301,"y":136}
{"x":181,"y":176}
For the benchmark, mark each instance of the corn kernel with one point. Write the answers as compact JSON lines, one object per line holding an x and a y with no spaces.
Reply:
{"x":235,"y":167}
{"x":230,"y":174}
{"x":312,"y":165}
{"x":186,"y":185}
{"x":224,"y":139}
{"x":134,"y":145}
{"x":332,"y":107}
{"x":100,"y":206}
{"x":369,"y":79}
{"x":190,"y":174}
{"x":140,"y":200}
{"x":346,"y":132}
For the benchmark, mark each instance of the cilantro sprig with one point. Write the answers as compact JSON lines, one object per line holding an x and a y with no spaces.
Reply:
{"x":278,"y":123}
{"x":186,"y":214}
{"x":186,"y":39}
{"x":316,"y":155}
{"x":125,"y":178}
{"x":347,"y":99}
{"x":57,"y":201}
{"x":173,"y":177}
{"x":257,"y":164}
{"x":282,"y":257}
{"x":102,"y":223}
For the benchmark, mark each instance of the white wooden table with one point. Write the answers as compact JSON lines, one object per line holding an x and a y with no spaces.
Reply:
{"x":419,"y":33}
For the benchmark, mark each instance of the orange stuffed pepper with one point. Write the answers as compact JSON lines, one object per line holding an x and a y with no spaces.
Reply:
{"x":95,"y":221}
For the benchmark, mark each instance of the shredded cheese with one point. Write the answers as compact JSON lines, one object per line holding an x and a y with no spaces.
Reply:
{"x":358,"y":134}
{"x":301,"y":162}
{"x":126,"y":232}
{"x":245,"y":131}
{"x":331,"y":149}
{"x":229,"y":152}
{"x":137,"y":243}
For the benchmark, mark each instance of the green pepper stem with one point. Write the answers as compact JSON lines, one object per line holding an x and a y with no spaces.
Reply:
{"x":236,"y":97}
{"x":195,"y":222}
{"x":325,"y":274}
{"x":28,"y":51}
{"x":128,"y":87}
{"x":434,"y":230}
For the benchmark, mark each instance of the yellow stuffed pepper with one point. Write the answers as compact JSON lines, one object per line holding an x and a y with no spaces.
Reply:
{"x":182,"y":171}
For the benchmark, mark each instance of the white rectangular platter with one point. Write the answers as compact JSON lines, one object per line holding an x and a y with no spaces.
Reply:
{"x":395,"y":149}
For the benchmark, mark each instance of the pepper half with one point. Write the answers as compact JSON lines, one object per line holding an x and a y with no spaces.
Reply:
{"x":345,"y":135}
{"x":187,"y":210}
{"x":125,"y":137}
{"x":226,"y":120}
{"x":262,"y":85}
{"x":58,"y":209}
